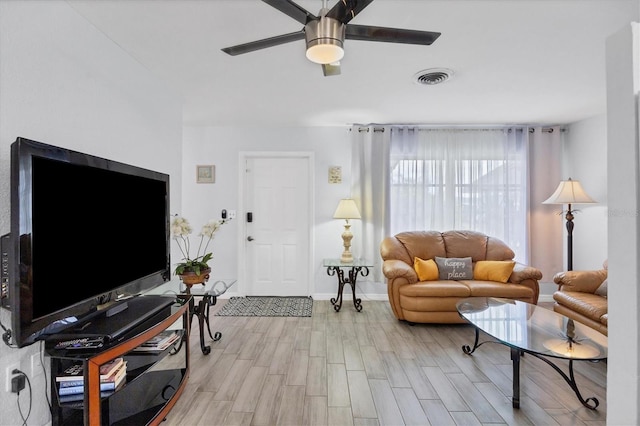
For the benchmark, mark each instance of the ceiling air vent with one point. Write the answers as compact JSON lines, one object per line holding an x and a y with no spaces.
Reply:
{"x":433,"y":76}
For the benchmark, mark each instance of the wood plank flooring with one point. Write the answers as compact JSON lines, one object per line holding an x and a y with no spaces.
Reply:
{"x":367,"y":368}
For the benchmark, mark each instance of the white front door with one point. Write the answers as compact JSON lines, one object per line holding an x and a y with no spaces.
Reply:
{"x":277,"y":206}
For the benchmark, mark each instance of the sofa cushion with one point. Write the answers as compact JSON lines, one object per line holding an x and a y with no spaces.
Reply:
{"x":427,"y":270}
{"x":430,"y":304}
{"x":498,"y":250}
{"x":588,"y":304}
{"x":465,"y":244}
{"x":439,"y":288}
{"x":455,"y":268}
{"x":480,"y":288}
{"x":407,"y":245}
{"x":493,"y":270}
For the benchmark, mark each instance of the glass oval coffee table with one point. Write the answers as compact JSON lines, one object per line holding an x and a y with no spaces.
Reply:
{"x":531,"y":329}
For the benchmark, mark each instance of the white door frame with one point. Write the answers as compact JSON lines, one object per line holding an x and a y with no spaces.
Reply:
{"x":242,"y":286}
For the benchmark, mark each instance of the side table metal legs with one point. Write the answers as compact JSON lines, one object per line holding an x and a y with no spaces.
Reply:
{"x":351,"y":280}
{"x":202,"y":312}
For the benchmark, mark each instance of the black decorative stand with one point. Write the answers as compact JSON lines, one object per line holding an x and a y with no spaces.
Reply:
{"x":337,"y":268}
{"x":207,"y":298}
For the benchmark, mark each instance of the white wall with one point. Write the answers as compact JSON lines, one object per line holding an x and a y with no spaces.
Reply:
{"x":586,"y":160}
{"x":64,"y":83}
{"x":222,"y":146}
{"x":623,"y":123}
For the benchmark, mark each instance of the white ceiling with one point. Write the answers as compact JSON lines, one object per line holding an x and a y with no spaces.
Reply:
{"x":515,"y":61}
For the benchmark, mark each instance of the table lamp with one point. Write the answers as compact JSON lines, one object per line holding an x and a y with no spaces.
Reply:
{"x":569,"y":192}
{"x":346,"y":210}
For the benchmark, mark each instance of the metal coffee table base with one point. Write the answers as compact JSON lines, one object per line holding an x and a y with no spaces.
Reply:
{"x":591,"y":403}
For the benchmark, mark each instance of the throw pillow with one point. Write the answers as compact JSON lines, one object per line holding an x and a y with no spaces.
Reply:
{"x":455,"y":268}
{"x":493,"y":270}
{"x":427,"y":270}
{"x":602,"y":289}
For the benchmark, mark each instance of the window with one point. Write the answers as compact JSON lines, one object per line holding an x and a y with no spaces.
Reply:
{"x":471,"y":179}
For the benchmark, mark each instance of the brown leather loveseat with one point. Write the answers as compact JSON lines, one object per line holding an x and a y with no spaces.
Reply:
{"x":582,"y":296}
{"x":434,"y":300}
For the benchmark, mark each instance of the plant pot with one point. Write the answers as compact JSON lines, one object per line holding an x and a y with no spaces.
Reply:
{"x":191,"y":278}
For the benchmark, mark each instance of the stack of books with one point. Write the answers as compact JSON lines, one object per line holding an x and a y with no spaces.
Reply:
{"x":160,"y":342}
{"x":71,"y":381}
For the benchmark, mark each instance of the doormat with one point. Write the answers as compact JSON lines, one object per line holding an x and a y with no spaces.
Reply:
{"x":267,"y":306}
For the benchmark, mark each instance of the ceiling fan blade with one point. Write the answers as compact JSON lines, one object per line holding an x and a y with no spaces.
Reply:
{"x":331,"y":69}
{"x":390,"y":35}
{"x":346,"y":10}
{"x":264,"y":43}
{"x":291,"y":9}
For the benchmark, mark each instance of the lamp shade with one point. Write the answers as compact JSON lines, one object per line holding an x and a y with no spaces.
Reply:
{"x":347,"y":209}
{"x":569,"y":192}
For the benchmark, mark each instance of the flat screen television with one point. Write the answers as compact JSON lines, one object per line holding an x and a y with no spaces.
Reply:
{"x":85,"y":232}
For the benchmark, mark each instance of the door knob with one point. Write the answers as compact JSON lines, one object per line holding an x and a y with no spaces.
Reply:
{"x":249,"y":238}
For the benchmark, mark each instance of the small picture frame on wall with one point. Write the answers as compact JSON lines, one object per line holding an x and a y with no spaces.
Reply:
{"x":206,"y":174}
{"x":335,"y":174}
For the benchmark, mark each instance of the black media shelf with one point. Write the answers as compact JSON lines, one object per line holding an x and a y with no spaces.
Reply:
{"x":154,"y":380}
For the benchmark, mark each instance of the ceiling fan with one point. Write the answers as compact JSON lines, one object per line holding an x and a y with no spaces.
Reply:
{"x":325,"y":33}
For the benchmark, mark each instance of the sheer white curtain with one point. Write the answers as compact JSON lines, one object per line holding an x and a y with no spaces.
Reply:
{"x":369,"y":188}
{"x":474,"y":179}
{"x":546,"y":221}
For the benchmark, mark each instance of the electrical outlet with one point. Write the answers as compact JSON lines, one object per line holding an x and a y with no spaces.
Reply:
{"x":36,"y":365}
{"x":9,"y":375}
{"x":232,"y":214}
{"x":17,"y":383}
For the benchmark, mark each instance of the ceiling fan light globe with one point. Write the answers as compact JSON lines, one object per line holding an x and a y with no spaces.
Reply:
{"x":324,"y":53}
{"x":324,"y":39}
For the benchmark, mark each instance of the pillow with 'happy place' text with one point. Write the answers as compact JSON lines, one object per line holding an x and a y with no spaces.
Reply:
{"x":455,"y":268}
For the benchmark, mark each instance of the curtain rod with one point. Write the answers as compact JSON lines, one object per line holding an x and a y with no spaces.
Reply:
{"x":531,"y":129}
{"x":546,"y":130}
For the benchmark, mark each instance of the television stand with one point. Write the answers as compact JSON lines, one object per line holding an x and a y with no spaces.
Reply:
{"x":143,"y":397}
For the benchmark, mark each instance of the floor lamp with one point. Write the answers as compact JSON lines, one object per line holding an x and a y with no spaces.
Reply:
{"x":569,"y":192}
{"x":346,"y":210}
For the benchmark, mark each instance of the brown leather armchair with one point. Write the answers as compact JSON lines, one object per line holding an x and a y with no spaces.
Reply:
{"x":435,"y":301}
{"x":582,"y":295}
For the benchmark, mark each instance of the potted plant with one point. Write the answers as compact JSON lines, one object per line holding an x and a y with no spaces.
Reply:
{"x":194,"y":270}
